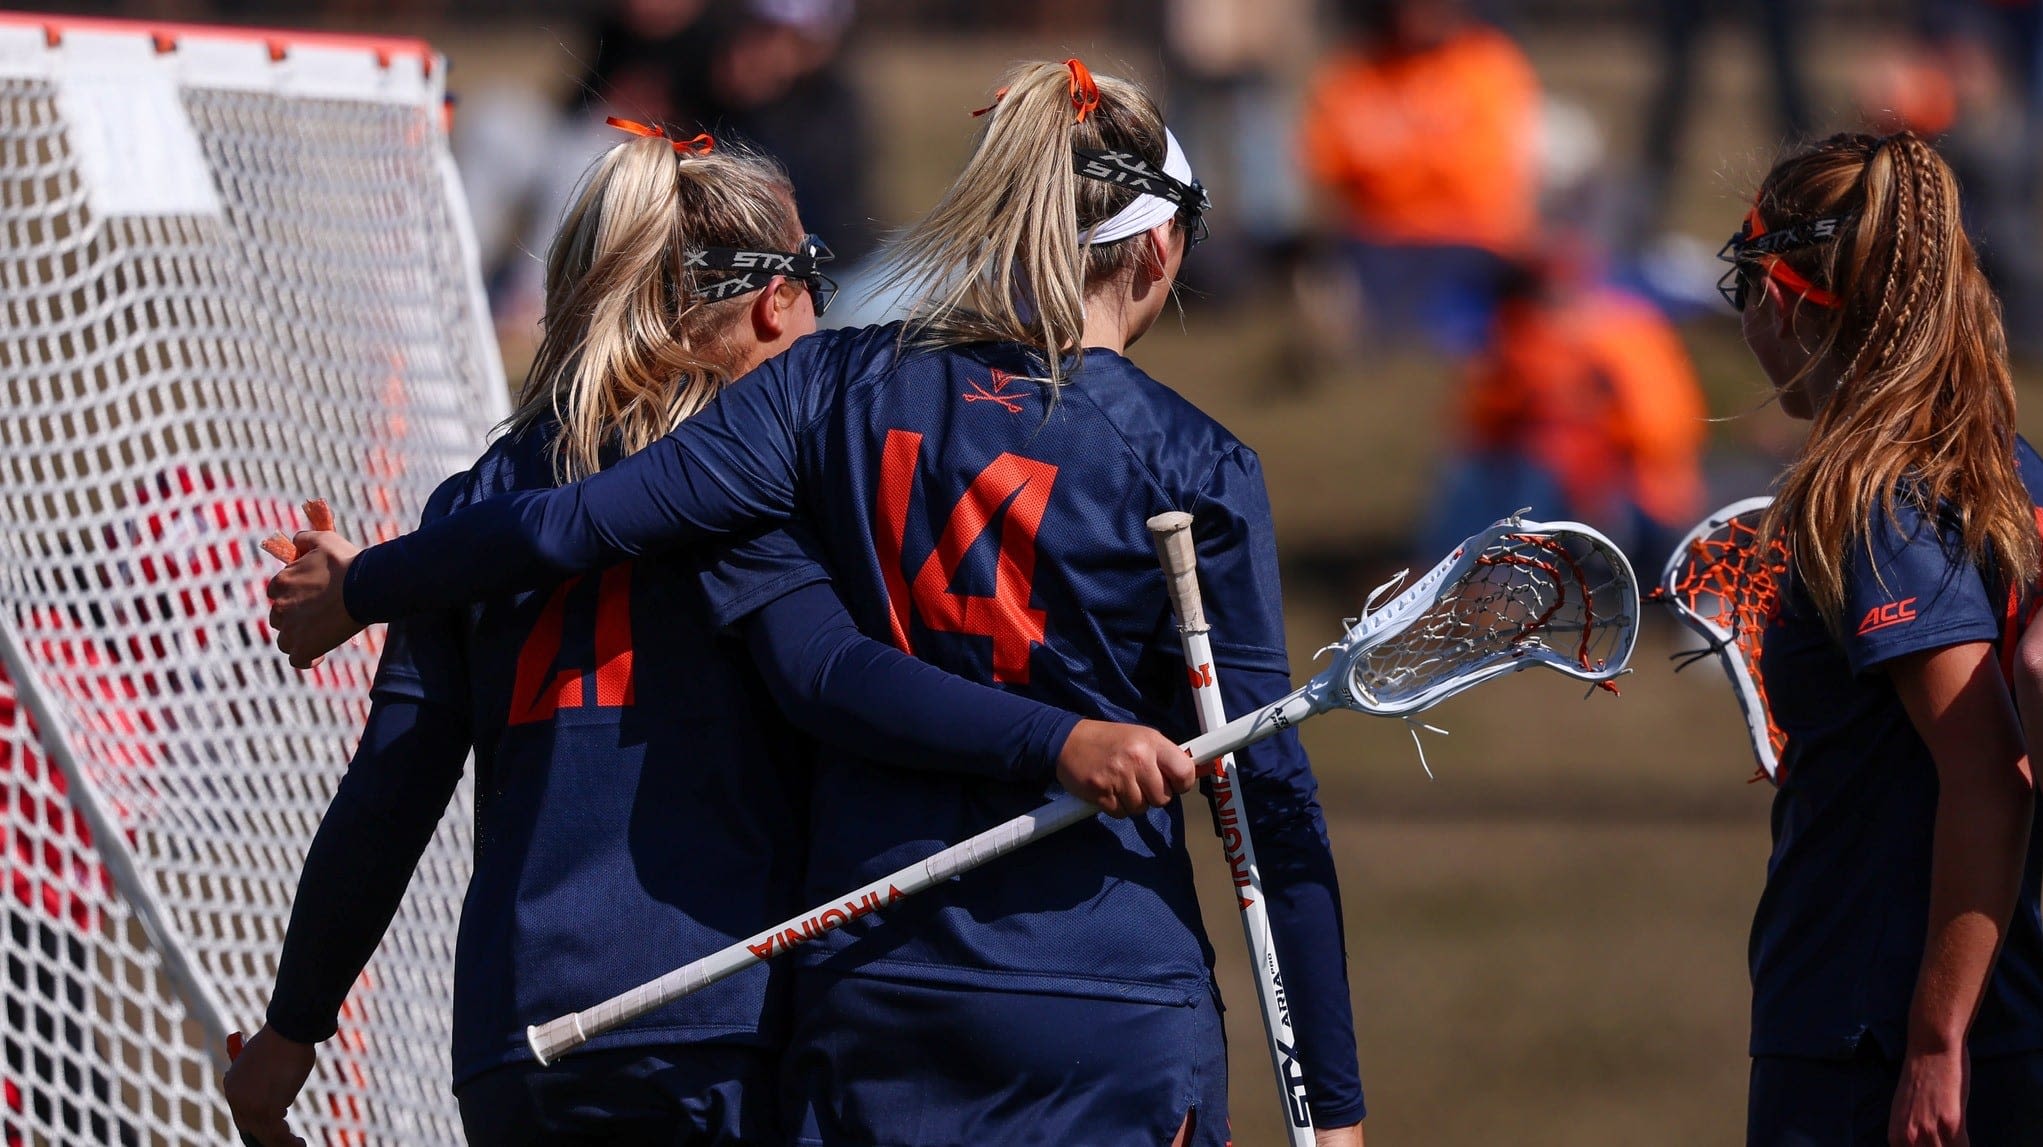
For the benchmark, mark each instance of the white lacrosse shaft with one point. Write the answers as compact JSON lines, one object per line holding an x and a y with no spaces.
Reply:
{"x":1179,"y":556}
{"x":555,"y":1038}
{"x":1339,"y":686}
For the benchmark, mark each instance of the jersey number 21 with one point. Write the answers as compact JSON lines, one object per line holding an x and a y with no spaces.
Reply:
{"x":541,"y":688}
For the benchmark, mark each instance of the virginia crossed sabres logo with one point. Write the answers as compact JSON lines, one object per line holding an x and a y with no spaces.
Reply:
{"x":1009,"y":401}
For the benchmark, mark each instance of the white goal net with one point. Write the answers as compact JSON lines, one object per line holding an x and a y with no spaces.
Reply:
{"x":234,"y":273}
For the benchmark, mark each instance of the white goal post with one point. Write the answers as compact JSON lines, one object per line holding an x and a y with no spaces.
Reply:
{"x":235,"y":272}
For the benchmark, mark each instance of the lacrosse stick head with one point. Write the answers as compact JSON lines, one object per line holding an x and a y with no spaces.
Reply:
{"x":1724,"y":585}
{"x":1519,"y":594}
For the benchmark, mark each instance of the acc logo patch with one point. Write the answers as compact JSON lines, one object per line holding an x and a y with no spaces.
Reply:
{"x":1893,"y":613}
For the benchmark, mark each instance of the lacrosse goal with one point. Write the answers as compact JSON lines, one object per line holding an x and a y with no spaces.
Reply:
{"x":236,"y":272}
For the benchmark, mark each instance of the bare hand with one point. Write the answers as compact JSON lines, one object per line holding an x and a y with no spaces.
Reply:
{"x":1929,"y":1104}
{"x":306,"y":608}
{"x":1124,"y":769}
{"x":263,"y":1083}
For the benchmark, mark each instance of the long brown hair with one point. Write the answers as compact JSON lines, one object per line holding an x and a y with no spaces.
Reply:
{"x":1005,"y":255}
{"x":1925,"y":406}
{"x":631,"y":347}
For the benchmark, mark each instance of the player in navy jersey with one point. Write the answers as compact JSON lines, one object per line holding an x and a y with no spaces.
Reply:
{"x":979,"y":481}
{"x":1905,"y":852}
{"x":638,"y":801}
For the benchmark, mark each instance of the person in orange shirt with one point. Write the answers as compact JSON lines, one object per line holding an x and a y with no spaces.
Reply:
{"x":1420,"y":135}
{"x":1583,"y":405}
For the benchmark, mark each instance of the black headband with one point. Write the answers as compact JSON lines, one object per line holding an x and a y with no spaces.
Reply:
{"x":1807,"y":233}
{"x":757,"y":267}
{"x":1132,"y":171}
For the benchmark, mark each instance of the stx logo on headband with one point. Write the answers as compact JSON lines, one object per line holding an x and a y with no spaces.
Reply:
{"x":772,"y":262}
{"x":1120,"y":167}
{"x":729,"y":287}
{"x":1130,"y":170}
{"x":1752,"y":242}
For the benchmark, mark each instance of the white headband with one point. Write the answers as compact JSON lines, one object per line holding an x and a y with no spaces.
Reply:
{"x":1148,"y":210}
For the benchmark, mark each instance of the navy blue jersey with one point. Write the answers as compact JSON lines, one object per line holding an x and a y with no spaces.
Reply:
{"x":996,"y":530}
{"x":636,"y":793}
{"x":1838,"y":938}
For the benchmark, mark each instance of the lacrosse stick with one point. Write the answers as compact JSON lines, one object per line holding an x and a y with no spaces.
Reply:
{"x":1724,"y":588}
{"x":1517,"y":595}
{"x":1180,"y":557}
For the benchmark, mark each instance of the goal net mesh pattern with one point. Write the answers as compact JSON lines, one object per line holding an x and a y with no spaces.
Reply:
{"x":172,"y":385}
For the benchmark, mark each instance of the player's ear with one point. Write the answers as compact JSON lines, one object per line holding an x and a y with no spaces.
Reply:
{"x":770,"y":307}
{"x":1156,"y":250}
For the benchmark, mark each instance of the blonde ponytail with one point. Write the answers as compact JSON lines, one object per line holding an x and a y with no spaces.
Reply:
{"x":630,"y":345}
{"x":1004,"y":255}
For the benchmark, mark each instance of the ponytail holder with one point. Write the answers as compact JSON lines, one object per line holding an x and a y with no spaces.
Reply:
{"x":1085,"y":94}
{"x":702,"y":144}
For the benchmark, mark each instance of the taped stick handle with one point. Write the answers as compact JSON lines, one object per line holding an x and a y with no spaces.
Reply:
{"x":1179,"y":556}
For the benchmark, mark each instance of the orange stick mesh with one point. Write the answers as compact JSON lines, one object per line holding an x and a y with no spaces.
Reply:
{"x":1728,"y":578}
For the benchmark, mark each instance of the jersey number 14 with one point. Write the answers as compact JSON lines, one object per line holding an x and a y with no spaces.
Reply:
{"x":1020,"y":486}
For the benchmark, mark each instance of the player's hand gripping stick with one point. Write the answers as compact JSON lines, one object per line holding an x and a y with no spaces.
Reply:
{"x":1517,"y":595}
{"x":1179,"y":557}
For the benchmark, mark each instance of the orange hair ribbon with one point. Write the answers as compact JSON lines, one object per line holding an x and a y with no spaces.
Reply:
{"x":702,"y":144}
{"x":997,"y":97}
{"x":1085,"y":94}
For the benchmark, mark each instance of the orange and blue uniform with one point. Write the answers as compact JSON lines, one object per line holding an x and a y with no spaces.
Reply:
{"x":1837,"y":942}
{"x":996,"y":530}
{"x":640,"y":802}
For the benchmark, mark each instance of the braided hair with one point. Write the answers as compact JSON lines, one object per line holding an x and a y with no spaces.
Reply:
{"x":1924,"y":407}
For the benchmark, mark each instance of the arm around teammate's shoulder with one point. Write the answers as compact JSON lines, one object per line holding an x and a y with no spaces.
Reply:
{"x":732,"y":464}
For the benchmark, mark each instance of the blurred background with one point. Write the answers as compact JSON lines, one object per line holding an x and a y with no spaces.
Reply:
{"x":1462,"y":262}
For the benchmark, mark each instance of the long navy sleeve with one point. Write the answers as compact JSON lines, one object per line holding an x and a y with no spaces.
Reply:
{"x":1303,"y":896}
{"x":382,"y":818}
{"x":841,"y":686}
{"x":727,"y":468}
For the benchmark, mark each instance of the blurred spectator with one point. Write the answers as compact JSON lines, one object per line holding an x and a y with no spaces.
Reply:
{"x":1422,"y":132}
{"x":1584,"y":405}
{"x":778,"y":79}
{"x":521,"y":156}
{"x":1681,"y":25}
{"x":1972,"y":80}
{"x":1229,"y":105}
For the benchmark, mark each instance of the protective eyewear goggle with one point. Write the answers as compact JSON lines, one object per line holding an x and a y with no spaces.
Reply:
{"x":757,"y":268}
{"x":1132,"y":171}
{"x":1754,"y":250}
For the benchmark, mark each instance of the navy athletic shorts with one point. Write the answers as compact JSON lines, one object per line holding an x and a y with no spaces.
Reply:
{"x":693,"y":1095}
{"x":1804,"y":1102}
{"x":885,"y":1063}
